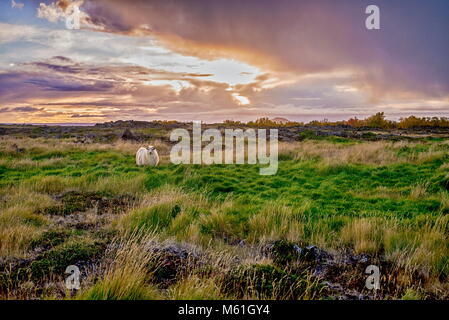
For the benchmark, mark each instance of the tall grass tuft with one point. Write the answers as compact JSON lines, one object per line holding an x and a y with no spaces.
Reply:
{"x":127,"y":277}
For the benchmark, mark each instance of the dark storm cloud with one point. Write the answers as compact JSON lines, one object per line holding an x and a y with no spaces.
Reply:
{"x":26,"y":109}
{"x":408,"y":54}
{"x":67,"y":85}
{"x":61,"y":58}
{"x":55,"y":67}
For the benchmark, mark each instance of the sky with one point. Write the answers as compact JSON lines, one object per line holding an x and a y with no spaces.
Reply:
{"x":214,"y":60}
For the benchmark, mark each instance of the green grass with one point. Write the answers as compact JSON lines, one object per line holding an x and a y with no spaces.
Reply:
{"x":334,"y":192}
{"x":61,"y":256}
{"x":397,"y":207}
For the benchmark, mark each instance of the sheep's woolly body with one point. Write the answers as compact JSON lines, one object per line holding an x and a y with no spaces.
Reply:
{"x":145,"y":157}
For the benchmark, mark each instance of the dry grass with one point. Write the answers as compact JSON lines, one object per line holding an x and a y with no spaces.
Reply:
{"x":419,"y":191}
{"x":196,"y":288}
{"x":414,"y":250}
{"x":52,"y":184}
{"x":19,"y":219}
{"x":371,"y":153}
{"x":365,"y":234}
{"x":126,"y":278}
{"x":421,"y":250}
{"x":26,"y":163}
{"x":18,"y":226}
{"x":119,"y":185}
{"x":380,"y":192}
{"x":42,"y":145}
{"x":277,"y":221}
{"x":14,"y":239}
{"x":25,"y":197}
{"x":377,"y":153}
{"x":444,"y":199}
{"x":175,"y":195}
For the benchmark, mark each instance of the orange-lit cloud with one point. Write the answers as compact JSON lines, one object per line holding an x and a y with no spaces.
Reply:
{"x":213,"y":60}
{"x":298,"y":36}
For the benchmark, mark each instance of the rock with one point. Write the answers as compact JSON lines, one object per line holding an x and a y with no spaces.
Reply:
{"x":171,"y":263}
{"x":284,"y":252}
{"x":311,"y":253}
{"x":72,"y":202}
{"x":128,"y":135}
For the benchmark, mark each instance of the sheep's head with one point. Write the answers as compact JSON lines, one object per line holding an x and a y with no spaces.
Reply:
{"x":151,"y":149}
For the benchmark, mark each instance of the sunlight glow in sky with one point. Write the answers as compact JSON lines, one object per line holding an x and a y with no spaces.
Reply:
{"x":211,"y":60}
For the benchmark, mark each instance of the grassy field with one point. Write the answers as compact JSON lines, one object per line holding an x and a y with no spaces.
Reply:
{"x":224,"y":231}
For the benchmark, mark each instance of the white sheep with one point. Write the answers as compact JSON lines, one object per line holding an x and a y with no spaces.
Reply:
{"x":147,"y":156}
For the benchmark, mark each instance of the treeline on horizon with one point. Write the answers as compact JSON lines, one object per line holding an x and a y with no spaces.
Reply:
{"x":375,"y":121}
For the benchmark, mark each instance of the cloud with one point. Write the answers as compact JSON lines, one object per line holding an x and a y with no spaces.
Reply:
{"x":52,"y":12}
{"x":26,"y":109}
{"x":17,"y":5}
{"x":10,"y":32}
{"x":69,"y":89}
{"x":407,"y":56}
{"x":60,"y":89}
{"x":194,"y":60}
{"x":61,"y":10}
{"x":86,"y":115}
